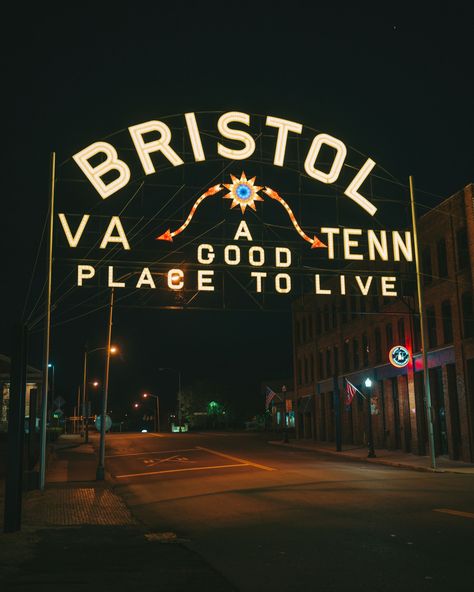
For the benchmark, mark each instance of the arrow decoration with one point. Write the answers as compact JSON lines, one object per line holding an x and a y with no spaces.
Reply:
{"x":315,"y":242}
{"x":243,"y":193}
{"x":168,"y":235}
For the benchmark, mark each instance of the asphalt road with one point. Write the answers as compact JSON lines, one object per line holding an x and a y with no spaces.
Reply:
{"x":270,"y":518}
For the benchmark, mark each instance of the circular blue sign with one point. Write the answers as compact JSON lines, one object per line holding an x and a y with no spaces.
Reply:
{"x":399,"y":356}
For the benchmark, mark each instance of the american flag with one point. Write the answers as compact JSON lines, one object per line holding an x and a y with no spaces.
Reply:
{"x":350,"y":393}
{"x":269,"y":396}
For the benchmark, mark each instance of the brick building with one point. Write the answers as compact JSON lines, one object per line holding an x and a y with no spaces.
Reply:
{"x":350,"y":337}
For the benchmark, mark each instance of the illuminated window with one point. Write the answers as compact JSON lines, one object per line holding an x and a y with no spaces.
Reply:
{"x":447,"y":321}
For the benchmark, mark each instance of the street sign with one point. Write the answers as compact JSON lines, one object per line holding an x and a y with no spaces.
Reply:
{"x":58,"y":413}
{"x":59,"y":401}
{"x":108,"y":422}
{"x":399,"y":356}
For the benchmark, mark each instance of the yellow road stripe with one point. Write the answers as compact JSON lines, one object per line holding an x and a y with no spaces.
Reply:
{"x":247,"y":462}
{"x":455,"y":513}
{"x":179,"y":470}
{"x":144,"y":453}
{"x":157,"y":435}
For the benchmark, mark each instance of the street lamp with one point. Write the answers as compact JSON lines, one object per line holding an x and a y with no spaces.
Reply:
{"x":85,"y":422}
{"x":370,"y":443}
{"x":179,"y":392}
{"x":157,"y":410}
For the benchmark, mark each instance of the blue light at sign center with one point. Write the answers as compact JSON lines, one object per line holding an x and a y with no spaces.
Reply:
{"x":243,"y":191}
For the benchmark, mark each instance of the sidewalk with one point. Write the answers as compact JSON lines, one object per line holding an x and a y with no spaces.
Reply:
{"x":393,"y":458}
{"x":80,"y":532}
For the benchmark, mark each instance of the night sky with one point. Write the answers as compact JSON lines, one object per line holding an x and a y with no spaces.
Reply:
{"x":394,"y":81}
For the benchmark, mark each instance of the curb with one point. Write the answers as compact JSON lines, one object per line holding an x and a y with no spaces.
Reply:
{"x":389,"y":463}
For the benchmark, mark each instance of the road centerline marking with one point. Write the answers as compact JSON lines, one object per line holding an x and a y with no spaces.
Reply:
{"x":235,"y":458}
{"x":455,"y":513}
{"x":179,"y":470}
{"x":152,"y":452}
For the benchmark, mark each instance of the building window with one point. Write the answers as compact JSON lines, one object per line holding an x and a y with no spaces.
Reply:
{"x":346,"y":355}
{"x":320,"y":364}
{"x":442,"y":258}
{"x":353,"y":301}
{"x":362,"y":305}
{"x":365,"y":351}
{"x":318,"y":322}
{"x":334,"y":315}
{"x":343,"y":312}
{"x":304,"y":329}
{"x":375,"y":303}
{"x":389,"y":335}
{"x":311,"y":368}
{"x":447,"y":321}
{"x":299,"y":373}
{"x":462,"y":248}
{"x":306,"y":370}
{"x":355,"y":353}
{"x":335,"y":358}
{"x":467,"y":314}
{"x":401,"y":331}
{"x":310,"y":327}
{"x":426,"y":266}
{"x":431,"y":325}
{"x":416,"y":333}
{"x":298,"y":332}
{"x":378,"y":345}
{"x":328,"y":362}
{"x":326,"y":318}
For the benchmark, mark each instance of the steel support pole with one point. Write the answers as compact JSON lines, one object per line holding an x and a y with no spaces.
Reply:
{"x":16,"y":434}
{"x":426,"y":373}
{"x":100,"y":473}
{"x":179,"y":399}
{"x":158,"y":426}
{"x":85,"y":415}
{"x":47,"y":330}
{"x":370,"y":431}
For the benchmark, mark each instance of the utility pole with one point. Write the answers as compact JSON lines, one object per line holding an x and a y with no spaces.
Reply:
{"x":426,"y":373}
{"x":100,"y":473}
{"x":47,"y":330}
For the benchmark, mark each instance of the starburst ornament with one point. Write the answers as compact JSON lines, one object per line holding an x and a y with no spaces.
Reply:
{"x":243,"y":192}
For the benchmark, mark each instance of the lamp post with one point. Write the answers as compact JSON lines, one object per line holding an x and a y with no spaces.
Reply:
{"x":370,"y":443}
{"x":85,"y":420}
{"x":285,"y":416}
{"x":51,"y":367}
{"x":179,"y":392}
{"x":157,"y":410}
{"x":100,"y":472}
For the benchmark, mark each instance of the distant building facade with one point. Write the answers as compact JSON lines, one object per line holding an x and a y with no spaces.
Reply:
{"x":350,"y":337}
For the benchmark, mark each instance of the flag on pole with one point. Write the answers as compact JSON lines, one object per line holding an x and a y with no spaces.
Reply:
{"x":351,"y":391}
{"x":269,"y":396}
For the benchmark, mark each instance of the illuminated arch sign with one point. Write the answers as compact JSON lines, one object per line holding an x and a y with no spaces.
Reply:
{"x":194,"y":205}
{"x":145,"y":147}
